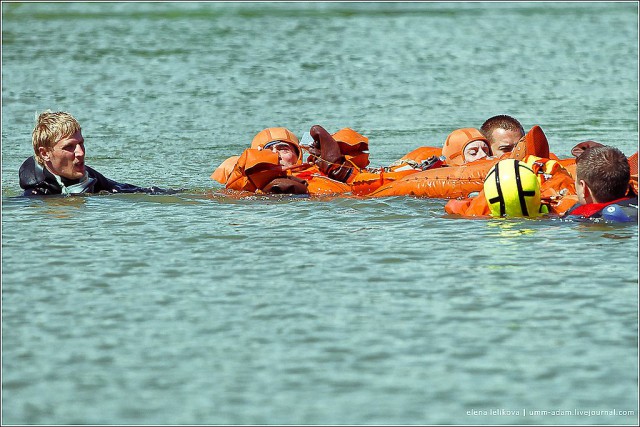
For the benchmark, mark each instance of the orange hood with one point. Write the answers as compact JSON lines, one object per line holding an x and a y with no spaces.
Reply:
{"x":265,"y":136}
{"x":456,"y":142}
{"x":354,"y":146}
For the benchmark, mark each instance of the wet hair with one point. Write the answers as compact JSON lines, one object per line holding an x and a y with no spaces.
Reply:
{"x":606,"y":171}
{"x":51,"y":128}
{"x":501,"y":121}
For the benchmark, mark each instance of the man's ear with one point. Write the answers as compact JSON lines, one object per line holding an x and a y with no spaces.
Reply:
{"x":586,"y":191}
{"x":44,"y":153}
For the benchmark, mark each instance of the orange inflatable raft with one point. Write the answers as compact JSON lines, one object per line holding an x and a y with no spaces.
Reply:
{"x":460,"y":181}
{"x":367,"y":181}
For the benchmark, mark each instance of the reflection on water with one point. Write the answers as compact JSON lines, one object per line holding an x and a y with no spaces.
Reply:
{"x":510,"y":227}
{"x":331,"y":301}
{"x":60,"y":206}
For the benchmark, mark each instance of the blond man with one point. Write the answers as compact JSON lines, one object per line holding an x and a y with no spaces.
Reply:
{"x":58,"y":164}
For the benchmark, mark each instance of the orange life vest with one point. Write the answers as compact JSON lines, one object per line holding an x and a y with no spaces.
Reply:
{"x":222,"y":173}
{"x":354,"y":147}
{"x":633,"y":180}
{"x":254,"y":170}
{"x":421,"y":154}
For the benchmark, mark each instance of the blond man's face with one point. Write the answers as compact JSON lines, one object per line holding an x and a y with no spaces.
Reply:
{"x":66,"y":157}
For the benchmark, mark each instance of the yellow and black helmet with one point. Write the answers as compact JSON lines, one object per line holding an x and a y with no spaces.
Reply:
{"x":512,"y":189}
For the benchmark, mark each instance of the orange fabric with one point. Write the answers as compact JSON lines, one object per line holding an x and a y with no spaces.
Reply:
{"x":226,"y":168}
{"x":533,"y":143}
{"x":542,"y":166}
{"x":268,"y":135}
{"x":474,"y":206}
{"x":353,"y":146}
{"x":456,"y":142}
{"x":569,"y":165}
{"x":222,"y":173}
{"x":319,"y":183}
{"x":360,"y":183}
{"x":557,"y":185}
{"x":323,"y":185}
{"x":633,"y":164}
{"x":447,"y":182}
{"x":367,"y":182}
{"x":360,"y":161}
{"x":256,"y":167}
{"x":421,"y":154}
{"x":349,"y":140}
{"x":254,"y":170}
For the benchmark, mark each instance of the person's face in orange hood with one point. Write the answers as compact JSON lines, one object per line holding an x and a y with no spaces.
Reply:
{"x":475,"y":150}
{"x":287,"y":153}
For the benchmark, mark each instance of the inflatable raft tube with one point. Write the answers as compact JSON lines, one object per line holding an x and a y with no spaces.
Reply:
{"x":460,"y":181}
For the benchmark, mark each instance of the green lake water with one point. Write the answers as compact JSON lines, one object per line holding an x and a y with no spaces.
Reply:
{"x":199,"y":308}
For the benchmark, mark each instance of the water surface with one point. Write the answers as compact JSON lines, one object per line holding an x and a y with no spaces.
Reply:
{"x":200,"y":308}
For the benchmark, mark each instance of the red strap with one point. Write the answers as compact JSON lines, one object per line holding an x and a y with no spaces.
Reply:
{"x":306,"y":175}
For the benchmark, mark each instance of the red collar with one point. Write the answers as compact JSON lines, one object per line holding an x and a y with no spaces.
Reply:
{"x":593,"y":208}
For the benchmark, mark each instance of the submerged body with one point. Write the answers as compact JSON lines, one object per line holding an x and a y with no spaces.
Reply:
{"x":36,"y":180}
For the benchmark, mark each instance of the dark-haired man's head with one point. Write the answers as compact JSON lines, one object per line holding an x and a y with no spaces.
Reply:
{"x":503,"y":133}
{"x":602,"y":175}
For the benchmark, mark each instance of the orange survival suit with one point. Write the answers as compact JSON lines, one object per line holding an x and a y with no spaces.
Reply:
{"x":336,"y":164}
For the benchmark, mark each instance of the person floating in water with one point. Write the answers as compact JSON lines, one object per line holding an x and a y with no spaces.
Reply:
{"x":58,"y":165}
{"x":556,"y":186}
{"x":503,"y":133}
{"x":603,"y":186}
{"x":464,"y":146}
{"x":274,"y":163}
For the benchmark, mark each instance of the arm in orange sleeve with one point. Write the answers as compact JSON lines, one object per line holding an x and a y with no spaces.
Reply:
{"x":474,"y":206}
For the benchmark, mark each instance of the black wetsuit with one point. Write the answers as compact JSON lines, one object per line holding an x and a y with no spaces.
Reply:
{"x":38,"y":181}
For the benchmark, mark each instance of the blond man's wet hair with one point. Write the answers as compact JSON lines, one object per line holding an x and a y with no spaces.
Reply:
{"x":50,"y":128}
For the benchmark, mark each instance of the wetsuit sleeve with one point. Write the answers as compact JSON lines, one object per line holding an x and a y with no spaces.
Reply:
{"x":105,"y":184}
{"x":37,"y":191}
